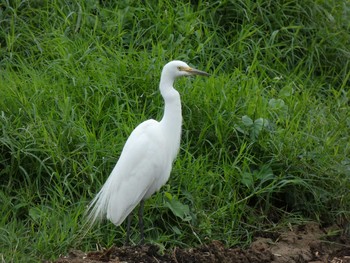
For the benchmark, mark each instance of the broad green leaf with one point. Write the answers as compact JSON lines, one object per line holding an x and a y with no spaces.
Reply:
{"x":247,"y":179}
{"x":180,"y":210}
{"x":286,"y":91}
{"x":247,"y":121}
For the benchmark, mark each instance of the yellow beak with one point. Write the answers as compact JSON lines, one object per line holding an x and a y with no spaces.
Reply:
{"x":194,"y":71}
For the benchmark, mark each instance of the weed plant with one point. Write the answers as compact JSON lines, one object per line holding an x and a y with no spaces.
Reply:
{"x":265,"y":138}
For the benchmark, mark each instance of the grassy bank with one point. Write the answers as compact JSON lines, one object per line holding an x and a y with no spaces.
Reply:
{"x":265,"y":138}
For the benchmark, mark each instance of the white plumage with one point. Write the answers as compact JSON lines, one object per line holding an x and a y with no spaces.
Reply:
{"x":147,"y":157}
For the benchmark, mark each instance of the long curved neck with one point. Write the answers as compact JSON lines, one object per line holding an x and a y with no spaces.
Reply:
{"x":172,"y":118}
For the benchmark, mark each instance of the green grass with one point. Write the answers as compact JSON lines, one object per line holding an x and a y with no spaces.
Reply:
{"x":265,"y":139}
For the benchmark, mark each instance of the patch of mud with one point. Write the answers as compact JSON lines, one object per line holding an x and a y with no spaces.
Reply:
{"x":301,"y":244}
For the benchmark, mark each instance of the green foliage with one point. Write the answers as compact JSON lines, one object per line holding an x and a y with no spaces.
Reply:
{"x":265,"y":139}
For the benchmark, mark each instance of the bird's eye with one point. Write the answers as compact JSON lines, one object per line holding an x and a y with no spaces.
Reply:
{"x":179,"y":68}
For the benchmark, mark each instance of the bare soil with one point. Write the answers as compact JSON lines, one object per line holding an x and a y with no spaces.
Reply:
{"x":306,"y":243}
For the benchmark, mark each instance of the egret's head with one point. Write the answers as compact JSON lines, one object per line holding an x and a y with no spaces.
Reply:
{"x":178,"y":68}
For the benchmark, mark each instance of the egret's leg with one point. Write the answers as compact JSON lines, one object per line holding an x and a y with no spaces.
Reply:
{"x":141,"y":221}
{"x":128,"y":230}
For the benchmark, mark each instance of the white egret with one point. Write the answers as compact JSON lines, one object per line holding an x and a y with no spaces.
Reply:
{"x":146,"y":160}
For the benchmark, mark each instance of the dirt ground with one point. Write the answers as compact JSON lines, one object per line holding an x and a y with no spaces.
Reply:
{"x":306,"y":243}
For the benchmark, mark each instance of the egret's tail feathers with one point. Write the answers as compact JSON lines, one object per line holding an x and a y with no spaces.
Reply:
{"x":94,"y":213}
{"x":97,"y":209}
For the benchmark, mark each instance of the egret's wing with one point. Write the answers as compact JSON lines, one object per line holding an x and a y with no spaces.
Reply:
{"x":135,"y":172}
